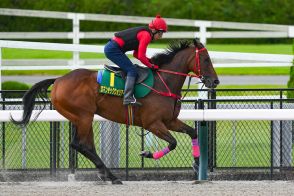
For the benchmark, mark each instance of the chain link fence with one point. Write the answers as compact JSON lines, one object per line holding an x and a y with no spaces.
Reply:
{"x":237,"y":149}
{"x":250,"y":150}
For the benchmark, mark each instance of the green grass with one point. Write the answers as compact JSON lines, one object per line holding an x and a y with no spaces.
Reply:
{"x":251,"y":48}
{"x":34,"y":72}
{"x":238,"y":146}
{"x":260,"y":48}
{"x":253,"y":71}
{"x":9,"y":53}
{"x":270,"y":49}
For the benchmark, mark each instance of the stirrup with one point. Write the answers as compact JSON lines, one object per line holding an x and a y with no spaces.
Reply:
{"x":134,"y":103}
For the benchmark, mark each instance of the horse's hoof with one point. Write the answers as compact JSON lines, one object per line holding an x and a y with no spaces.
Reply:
{"x":146,"y":154}
{"x":195,"y":167}
{"x":101,"y":177}
{"x":117,"y":181}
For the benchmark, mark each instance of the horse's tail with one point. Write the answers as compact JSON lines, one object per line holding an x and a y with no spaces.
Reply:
{"x":29,"y":98}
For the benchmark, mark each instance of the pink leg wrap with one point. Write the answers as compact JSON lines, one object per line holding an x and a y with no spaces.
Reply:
{"x":195,"y":148}
{"x":159,"y":154}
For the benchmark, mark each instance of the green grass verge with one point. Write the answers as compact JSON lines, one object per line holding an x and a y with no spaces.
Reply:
{"x":11,"y":53}
{"x":253,"y":71}
{"x":34,"y":72}
{"x":251,"y":48}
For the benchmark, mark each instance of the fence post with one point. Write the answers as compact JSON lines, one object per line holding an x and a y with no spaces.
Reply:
{"x":76,"y":38}
{"x":142,"y":147}
{"x":110,"y":143}
{"x":203,"y":143}
{"x":272,"y":145}
{"x":54,"y":126}
{"x":212,"y":132}
{"x":3,"y":135}
{"x":72,"y":152}
{"x":0,"y":71}
{"x":203,"y":32}
{"x":127,"y":152}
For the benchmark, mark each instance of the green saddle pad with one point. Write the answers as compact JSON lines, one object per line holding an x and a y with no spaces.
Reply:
{"x":114,"y":85}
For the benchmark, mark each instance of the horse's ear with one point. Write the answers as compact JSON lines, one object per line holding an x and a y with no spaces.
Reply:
{"x":197,"y":43}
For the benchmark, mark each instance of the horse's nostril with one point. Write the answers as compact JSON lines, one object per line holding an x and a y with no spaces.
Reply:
{"x":216,"y":81}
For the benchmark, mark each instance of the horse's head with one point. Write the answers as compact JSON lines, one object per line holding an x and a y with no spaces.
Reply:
{"x":202,"y":66}
{"x":197,"y":61}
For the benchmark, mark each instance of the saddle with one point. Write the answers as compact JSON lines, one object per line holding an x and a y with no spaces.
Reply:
{"x":112,"y":81}
{"x":142,"y":72}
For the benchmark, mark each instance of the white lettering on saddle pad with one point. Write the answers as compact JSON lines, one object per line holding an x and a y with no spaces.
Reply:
{"x":111,"y":91}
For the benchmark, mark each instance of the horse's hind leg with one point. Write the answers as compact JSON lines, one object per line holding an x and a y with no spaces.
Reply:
{"x":83,"y":142}
{"x":160,"y":130}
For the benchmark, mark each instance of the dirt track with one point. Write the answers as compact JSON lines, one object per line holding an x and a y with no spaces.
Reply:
{"x":161,"y":188}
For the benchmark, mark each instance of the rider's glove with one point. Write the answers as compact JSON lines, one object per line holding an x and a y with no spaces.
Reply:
{"x":154,"y":67}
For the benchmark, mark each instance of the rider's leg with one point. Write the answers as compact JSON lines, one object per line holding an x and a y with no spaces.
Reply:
{"x":129,"y":97}
{"x":114,"y":53}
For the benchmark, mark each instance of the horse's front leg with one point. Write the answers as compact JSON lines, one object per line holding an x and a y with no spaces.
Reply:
{"x":161,"y":131}
{"x":179,"y":126}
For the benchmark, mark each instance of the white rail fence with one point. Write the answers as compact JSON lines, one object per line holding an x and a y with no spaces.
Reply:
{"x":250,"y":30}
{"x":196,"y":115}
{"x":237,"y":59}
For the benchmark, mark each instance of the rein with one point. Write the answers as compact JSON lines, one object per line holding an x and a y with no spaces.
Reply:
{"x":196,"y":70}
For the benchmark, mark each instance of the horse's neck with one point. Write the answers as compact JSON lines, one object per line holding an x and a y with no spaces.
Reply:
{"x":173,"y":81}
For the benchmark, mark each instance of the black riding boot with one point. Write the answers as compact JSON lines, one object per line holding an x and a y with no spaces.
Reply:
{"x":129,"y":92}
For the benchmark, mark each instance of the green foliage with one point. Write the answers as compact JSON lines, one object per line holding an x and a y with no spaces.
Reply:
{"x":13,"y":85}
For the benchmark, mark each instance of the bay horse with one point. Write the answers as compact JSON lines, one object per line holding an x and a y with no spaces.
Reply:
{"x":76,"y":96}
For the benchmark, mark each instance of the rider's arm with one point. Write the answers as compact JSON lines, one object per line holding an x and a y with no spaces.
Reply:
{"x":144,"y":39}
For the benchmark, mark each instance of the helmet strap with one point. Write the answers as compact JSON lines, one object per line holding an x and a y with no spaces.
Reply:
{"x":153,"y":34}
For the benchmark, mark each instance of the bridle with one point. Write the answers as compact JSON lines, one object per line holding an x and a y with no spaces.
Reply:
{"x":196,"y":69}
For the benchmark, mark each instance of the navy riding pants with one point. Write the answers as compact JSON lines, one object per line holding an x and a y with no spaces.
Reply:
{"x":114,"y":53}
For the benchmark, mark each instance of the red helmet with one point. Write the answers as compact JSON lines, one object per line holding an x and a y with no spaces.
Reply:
{"x":158,"y":24}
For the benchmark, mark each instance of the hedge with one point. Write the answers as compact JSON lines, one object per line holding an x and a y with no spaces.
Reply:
{"x":13,"y":85}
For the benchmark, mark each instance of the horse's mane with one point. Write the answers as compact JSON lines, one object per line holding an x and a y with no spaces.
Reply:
{"x":169,"y":53}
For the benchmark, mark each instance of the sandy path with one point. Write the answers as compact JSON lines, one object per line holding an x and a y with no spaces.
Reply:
{"x":131,"y":188}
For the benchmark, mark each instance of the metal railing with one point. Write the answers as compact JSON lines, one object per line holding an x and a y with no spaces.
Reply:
{"x":242,"y":148}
